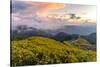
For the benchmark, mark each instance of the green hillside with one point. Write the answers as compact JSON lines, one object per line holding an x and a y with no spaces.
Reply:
{"x":83,"y":44}
{"x":39,"y":50}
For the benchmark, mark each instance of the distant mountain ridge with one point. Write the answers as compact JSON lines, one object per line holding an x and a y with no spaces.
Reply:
{"x":69,"y":29}
{"x":22,"y":32}
{"x":77,"y":29}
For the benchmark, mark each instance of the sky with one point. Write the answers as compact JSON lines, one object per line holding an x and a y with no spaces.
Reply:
{"x":46,"y":15}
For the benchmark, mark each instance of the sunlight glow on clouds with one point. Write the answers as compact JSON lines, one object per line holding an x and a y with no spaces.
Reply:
{"x":51,"y":15}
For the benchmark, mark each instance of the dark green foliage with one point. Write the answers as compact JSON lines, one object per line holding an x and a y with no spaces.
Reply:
{"x":83,"y":44}
{"x":91,"y":38}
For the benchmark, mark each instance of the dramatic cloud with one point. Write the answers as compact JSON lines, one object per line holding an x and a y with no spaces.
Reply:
{"x":45,"y":15}
{"x":18,"y":5}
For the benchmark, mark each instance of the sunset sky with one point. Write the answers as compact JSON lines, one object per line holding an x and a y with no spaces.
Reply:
{"x":30,"y":13}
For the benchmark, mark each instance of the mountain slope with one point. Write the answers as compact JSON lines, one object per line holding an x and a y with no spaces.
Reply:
{"x":41,"y":50}
{"x":91,"y":38}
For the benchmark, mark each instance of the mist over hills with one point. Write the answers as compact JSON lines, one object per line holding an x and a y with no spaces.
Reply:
{"x":78,"y":29}
{"x":66,"y":33}
{"x":68,"y":29}
{"x":52,"y":33}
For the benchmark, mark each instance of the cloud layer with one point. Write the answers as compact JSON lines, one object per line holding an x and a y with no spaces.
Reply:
{"x":45,"y":15}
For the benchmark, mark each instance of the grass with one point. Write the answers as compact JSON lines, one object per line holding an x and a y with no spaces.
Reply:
{"x":40,"y":50}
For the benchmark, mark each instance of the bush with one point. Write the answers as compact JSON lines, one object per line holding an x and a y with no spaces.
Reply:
{"x":40,"y":50}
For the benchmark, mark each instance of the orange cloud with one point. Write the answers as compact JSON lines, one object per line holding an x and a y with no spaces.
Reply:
{"x":45,"y":7}
{"x":51,"y":6}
